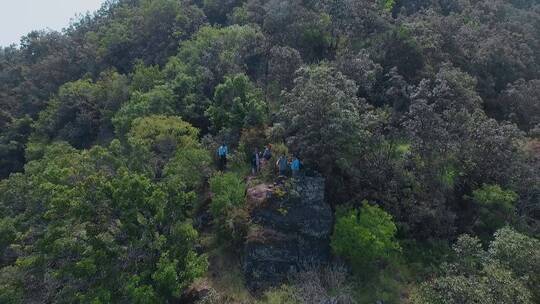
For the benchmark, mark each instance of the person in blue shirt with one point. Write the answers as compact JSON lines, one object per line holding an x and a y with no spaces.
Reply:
{"x":222,"y":155}
{"x":295,"y":166}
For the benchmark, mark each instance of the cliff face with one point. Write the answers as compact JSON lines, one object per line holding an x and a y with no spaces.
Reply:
{"x":291,"y":230}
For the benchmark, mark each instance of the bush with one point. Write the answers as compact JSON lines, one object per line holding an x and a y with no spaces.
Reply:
{"x":228,"y":196}
{"x":506,"y":273}
{"x":250,"y":139}
{"x":283,"y":295}
{"x":364,"y":237}
{"x":268,"y":172}
{"x":496,"y":208}
{"x":327,"y":284}
{"x":237,"y":104}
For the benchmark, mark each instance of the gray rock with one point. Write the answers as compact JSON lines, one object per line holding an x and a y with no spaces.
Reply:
{"x":291,"y":231}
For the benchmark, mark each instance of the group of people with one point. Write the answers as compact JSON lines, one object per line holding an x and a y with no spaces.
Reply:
{"x":260,"y":159}
{"x":283,"y":165}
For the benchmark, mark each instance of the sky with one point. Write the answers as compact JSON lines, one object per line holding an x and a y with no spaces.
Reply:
{"x":19,"y":17}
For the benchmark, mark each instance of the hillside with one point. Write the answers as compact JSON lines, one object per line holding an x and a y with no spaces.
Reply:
{"x":415,"y":123}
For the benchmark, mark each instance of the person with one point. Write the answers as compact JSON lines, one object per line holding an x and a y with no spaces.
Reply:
{"x":282,"y":164}
{"x":222,"y":154}
{"x":255,"y":162}
{"x":267,"y":154}
{"x":295,"y":166}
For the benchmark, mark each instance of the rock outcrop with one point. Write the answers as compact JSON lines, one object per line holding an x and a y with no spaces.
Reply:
{"x":291,"y":227}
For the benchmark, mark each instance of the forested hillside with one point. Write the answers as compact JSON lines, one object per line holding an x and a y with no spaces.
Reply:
{"x":421,"y":116}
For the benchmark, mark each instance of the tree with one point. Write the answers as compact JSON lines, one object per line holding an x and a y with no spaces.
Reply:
{"x":360,"y":68}
{"x":496,"y":276}
{"x":496,"y":208}
{"x":365,"y":236}
{"x":144,"y":30}
{"x":155,"y":140}
{"x":308,"y":29}
{"x":13,"y":139}
{"x":237,"y":104}
{"x":82,"y":110}
{"x":455,"y":148}
{"x":282,"y":65}
{"x":519,"y":103}
{"x":218,"y":12}
{"x":161,"y":100}
{"x":74,"y":115}
{"x":213,"y":53}
{"x":94,"y":231}
{"x":228,"y":198}
{"x":321,"y":117}
{"x":520,"y":254}
{"x":144,"y":78}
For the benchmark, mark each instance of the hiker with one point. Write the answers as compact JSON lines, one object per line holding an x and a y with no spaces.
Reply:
{"x":295,"y":166}
{"x":255,"y":162}
{"x":282,"y":164}
{"x":222,"y":154}
{"x":267,"y":154}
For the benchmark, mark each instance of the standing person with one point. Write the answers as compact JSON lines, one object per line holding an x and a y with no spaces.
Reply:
{"x":222,"y":154}
{"x":267,"y":154}
{"x":255,"y":161}
{"x":282,"y":164}
{"x":295,"y":166}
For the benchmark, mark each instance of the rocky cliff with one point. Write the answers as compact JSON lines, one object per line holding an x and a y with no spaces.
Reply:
{"x":291,"y":227}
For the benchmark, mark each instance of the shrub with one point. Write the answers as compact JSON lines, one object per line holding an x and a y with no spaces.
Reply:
{"x":237,"y":104}
{"x":250,"y":139}
{"x":506,"y":273}
{"x":228,"y":195}
{"x":364,"y":237}
{"x":327,"y":284}
{"x":282,"y":295}
{"x":268,"y":172}
{"x":496,"y":208}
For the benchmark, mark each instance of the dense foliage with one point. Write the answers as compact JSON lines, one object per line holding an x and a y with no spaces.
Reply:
{"x":499,"y":275}
{"x":427,"y":109}
{"x":364,"y":238}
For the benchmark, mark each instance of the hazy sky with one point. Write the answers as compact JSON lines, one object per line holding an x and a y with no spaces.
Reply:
{"x":18,"y":17}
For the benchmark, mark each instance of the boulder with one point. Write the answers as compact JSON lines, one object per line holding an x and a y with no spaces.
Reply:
{"x":291,"y":227}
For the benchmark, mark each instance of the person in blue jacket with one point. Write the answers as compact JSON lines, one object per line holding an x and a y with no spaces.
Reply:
{"x":296,"y":164}
{"x":222,"y":154}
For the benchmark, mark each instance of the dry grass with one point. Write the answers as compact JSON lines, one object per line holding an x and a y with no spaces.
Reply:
{"x":226,"y":278}
{"x":323,"y":285}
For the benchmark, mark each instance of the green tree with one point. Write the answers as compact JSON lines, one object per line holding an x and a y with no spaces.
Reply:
{"x":74,"y":115}
{"x":213,"y":53}
{"x":143,"y":30}
{"x":159,"y":100}
{"x":144,"y":78}
{"x":506,"y":273}
{"x":237,"y":104}
{"x":95,"y":230}
{"x":520,"y":254}
{"x":496,"y":208}
{"x":13,"y":139}
{"x":228,"y":198}
{"x":322,"y":117}
{"x":156,"y":139}
{"x":365,"y":236}
{"x":82,"y":110}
